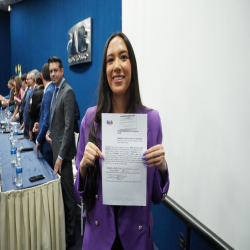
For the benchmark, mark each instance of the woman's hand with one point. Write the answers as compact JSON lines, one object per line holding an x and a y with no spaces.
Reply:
{"x":22,"y":126}
{"x":155,"y":157}
{"x":5,"y":103}
{"x":12,"y":118}
{"x":91,"y":153}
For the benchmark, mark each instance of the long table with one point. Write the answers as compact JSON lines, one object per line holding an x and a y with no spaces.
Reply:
{"x":31,"y":217}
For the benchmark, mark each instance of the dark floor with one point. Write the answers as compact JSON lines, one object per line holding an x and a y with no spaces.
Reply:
{"x":79,"y":238}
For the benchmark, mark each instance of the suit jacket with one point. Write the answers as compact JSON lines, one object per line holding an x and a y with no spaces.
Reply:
{"x":44,"y":113}
{"x":34,"y":110}
{"x":21,"y":107}
{"x":129,"y":218}
{"x":62,"y":123}
{"x":26,"y":117}
{"x":27,"y":120}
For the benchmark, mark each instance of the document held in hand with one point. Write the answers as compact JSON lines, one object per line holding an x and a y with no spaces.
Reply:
{"x":124,"y":176}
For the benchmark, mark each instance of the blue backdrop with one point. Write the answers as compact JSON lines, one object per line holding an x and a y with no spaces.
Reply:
{"x":4,"y":51}
{"x":39,"y":30}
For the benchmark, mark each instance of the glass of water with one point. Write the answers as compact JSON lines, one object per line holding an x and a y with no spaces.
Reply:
{"x":1,"y":170}
{"x":1,"y":182}
{"x":14,"y":174}
{"x":19,"y":149}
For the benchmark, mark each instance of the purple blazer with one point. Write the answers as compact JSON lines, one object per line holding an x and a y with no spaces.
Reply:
{"x":134,"y":222}
{"x":19,"y":96}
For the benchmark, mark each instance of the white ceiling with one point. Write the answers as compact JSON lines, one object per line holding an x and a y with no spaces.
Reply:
{"x":5,"y":3}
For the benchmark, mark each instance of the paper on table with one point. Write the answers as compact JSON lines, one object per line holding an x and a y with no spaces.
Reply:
{"x":14,"y":123}
{"x":124,"y":176}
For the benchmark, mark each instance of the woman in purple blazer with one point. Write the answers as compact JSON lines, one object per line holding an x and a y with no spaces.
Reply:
{"x":118,"y":227}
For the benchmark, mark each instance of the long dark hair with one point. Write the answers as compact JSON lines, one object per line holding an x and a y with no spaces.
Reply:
{"x":18,"y":81}
{"x":104,"y":105}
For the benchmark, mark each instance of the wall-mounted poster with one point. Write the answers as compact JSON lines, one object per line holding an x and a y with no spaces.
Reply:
{"x":79,"y":44}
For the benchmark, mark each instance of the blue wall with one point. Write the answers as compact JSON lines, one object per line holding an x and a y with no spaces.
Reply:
{"x":39,"y":30}
{"x":5,"y":71}
{"x":167,"y":229}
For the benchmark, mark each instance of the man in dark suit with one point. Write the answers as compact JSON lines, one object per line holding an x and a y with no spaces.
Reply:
{"x":61,"y":137}
{"x":43,"y":125}
{"x":31,"y":81}
{"x":36,"y":101}
{"x":24,"y":105}
{"x":21,"y":107}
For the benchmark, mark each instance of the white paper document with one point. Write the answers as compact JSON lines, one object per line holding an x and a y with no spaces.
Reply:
{"x":14,"y":123}
{"x":124,"y":176}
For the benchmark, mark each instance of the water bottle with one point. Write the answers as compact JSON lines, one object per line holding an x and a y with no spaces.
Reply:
{"x":1,"y":182}
{"x":15,"y":133}
{"x":5,"y":112}
{"x":19,"y":173}
{"x":7,"y":124}
{"x":7,"y":127}
{"x":13,"y":153}
{"x":8,"y":114}
{"x":11,"y":137}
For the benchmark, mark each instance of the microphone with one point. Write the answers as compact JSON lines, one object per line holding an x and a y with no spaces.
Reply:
{"x":25,"y":149}
{"x":5,"y":132}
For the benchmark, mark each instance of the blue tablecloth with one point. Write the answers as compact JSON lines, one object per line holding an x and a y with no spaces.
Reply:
{"x":31,"y":216}
{"x":32,"y":165}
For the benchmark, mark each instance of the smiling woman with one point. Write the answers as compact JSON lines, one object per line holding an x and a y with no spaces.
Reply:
{"x":109,"y":227}
{"x":118,"y":72}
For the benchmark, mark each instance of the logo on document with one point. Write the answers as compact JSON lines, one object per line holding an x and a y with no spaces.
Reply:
{"x":109,"y":122}
{"x":79,"y":44}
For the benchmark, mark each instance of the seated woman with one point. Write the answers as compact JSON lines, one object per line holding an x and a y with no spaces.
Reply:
{"x":118,"y":227}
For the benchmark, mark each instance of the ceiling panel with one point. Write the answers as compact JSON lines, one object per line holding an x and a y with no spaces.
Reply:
{"x":5,"y":3}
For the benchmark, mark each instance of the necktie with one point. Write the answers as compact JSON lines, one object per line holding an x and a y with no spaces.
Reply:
{"x":53,"y":106}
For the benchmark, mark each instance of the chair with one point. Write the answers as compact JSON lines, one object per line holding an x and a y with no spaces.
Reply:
{"x":74,"y":160}
{"x":81,"y":205}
